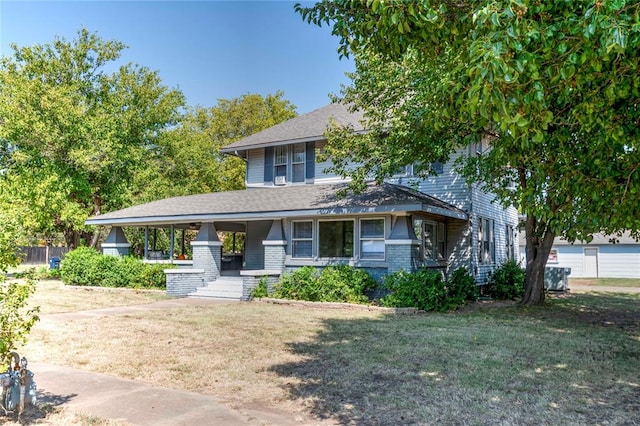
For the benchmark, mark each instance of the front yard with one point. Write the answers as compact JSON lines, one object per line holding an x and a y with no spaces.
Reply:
{"x":573,"y":361}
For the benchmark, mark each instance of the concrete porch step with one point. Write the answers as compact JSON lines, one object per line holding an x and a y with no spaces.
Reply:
{"x":228,"y":288}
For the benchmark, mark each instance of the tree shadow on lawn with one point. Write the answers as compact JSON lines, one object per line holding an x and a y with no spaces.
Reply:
{"x":563,"y":363}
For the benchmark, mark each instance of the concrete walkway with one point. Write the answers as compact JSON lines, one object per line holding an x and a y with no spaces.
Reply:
{"x":137,"y":403}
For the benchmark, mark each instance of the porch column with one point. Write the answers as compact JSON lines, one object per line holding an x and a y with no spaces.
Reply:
{"x":116,"y":243}
{"x":402,"y":246}
{"x":207,"y":252}
{"x":275,"y":248}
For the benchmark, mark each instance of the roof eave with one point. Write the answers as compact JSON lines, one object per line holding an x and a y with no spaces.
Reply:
{"x":231,"y":149}
{"x":271,"y":215}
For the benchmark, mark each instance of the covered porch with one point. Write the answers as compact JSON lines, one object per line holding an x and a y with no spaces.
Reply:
{"x":282,"y":229}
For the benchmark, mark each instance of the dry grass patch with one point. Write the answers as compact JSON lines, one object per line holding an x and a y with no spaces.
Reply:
{"x":573,"y":361}
{"x":51,"y":416}
{"x":54,"y":297}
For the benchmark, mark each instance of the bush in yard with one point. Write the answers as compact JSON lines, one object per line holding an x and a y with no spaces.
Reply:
{"x":262,"y":289}
{"x":462,"y":287}
{"x":427,"y":290}
{"x":424,"y":289}
{"x":86,"y":266}
{"x":79,"y":266}
{"x":340,"y":283}
{"x":507,"y":282}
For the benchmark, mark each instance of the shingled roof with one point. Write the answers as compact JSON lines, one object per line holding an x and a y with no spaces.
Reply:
{"x":271,"y":203}
{"x":304,"y":128}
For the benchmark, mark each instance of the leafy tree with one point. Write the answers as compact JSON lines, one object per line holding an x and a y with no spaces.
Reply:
{"x":187,"y":159}
{"x":547,"y":93}
{"x":74,"y":133}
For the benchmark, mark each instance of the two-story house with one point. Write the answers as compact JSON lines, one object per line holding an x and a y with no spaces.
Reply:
{"x":291,"y":215}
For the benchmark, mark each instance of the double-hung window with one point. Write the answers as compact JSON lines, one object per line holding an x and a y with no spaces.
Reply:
{"x":297,"y":163}
{"x":434,"y":240}
{"x":280,"y":163}
{"x":335,"y":238}
{"x":486,"y":240}
{"x":372,"y":239}
{"x":302,"y":239}
{"x":511,"y":252}
{"x":289,"y":163}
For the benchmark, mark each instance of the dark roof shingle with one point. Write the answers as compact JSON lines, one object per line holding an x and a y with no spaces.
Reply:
{"x":295,"y":200}
{"x":304,"y":128}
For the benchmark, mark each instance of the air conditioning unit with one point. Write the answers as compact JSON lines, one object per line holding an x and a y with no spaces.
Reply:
{"x":281,"y":180}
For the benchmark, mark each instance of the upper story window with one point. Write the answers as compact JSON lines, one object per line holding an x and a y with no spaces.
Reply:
{"x":289,"y":164}
{"x":280,"y":163}
{"x":298,"y":162}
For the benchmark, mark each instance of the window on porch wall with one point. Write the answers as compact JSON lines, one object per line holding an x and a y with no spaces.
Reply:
{"x":335,"y":238}
{"x":302,"y":239}
{"x":434,"y":239}
{"x":372,"y":239}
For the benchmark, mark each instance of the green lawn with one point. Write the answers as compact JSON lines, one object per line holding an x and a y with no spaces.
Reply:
{"x":606,"y":282}
{"x":573,"y":361}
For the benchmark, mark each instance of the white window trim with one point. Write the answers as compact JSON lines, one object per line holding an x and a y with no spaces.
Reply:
{"x":293,"y":239}
{"x":289,"y":163}
{"x":294,"y":163}
{"x":355,"y":237}
{"x":437,"y":241}
{"x":361,"y":238}
{"x":486,"y":241}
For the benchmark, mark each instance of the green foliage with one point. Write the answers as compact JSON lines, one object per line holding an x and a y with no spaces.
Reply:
{"x":187,"y":159}
{"x":424,"y":289}
{"x":86,"y":266}
{"x":462,"y":286}
{"x":262,"y":289}
{"x":79,"y":266}
{"x":341,"y":283}
{"x":541,"y":96}
{"x":16,"y":319}
{"x":9,"y":236}
{"x":507,"y":281}
{"x":427,"y":290}
{"x":74,"y":134}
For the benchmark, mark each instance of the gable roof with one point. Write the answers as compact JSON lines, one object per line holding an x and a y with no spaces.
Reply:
{"x":272,"y":203}
{"x":303,"y":128}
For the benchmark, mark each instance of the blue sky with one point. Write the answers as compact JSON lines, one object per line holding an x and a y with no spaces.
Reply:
{"x":207,"y":49}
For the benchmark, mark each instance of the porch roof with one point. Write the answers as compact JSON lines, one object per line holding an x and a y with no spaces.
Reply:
{"x":278,"y":202}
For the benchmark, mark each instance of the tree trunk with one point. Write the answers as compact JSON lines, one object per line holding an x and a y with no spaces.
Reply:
{"x":538,"y":249}
{"x":71,"y":238}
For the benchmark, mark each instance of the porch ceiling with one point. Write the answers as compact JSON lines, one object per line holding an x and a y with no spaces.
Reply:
{"x":278,"y":202}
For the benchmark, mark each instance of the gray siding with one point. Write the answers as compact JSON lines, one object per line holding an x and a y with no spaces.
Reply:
{"x":254,"y":250}
{"x":321,"y":173}
{"x":485,"y":206}
{"x":255,"y":167}
{"x":448,"y":186}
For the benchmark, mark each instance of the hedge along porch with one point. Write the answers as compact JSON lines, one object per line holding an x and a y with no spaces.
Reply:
{"x":290,"y":227}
